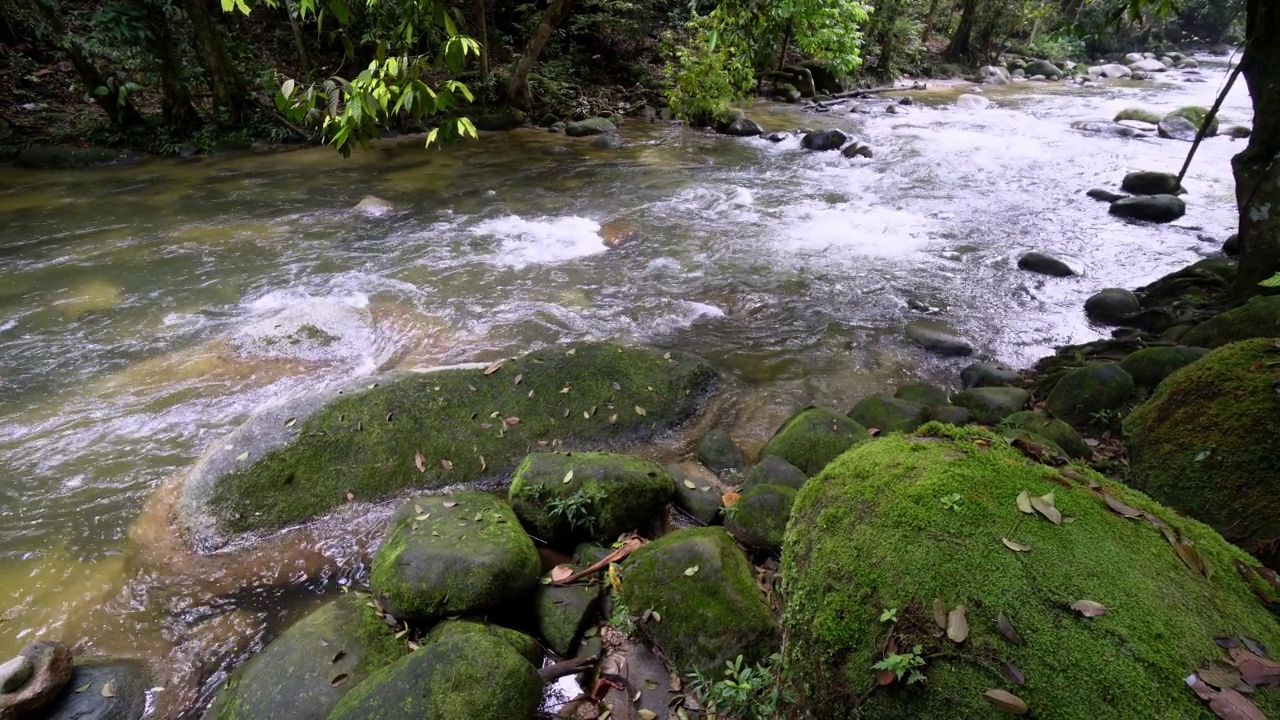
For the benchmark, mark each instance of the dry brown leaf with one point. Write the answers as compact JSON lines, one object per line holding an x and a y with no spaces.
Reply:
{"x":1192,"y":558}
{"x":511,"y":421}
{"x":1006,"y":629}
{"x":1227,"y":704}
{"x":494,"y":367}
{"x":1121,"y":508}
{"x":420,"y":461}
{"x":108,"y":690}
{"x":338,"y":680}
{"x":1024,"y":503}
{"x":1044,"y":506}
{"x":1016,"y":547}
{"x":958,"y":624}
{"x":1255,"y":670}
{"x":885,"y":677}
{"x":730,"y":499}
{"x":560,"y":573}
{"x":1006,"y":702}
{"x":1089,"y":608}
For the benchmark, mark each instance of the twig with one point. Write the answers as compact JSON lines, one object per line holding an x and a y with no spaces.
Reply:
{"x":564,"y":668}
{"x":1208,"y":120}
{"x":281,"y":119}
{"x":633,"y":542}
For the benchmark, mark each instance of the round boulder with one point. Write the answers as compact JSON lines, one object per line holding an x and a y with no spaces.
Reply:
{"x":103,"y":690}
{"x":1150,"y":182}
{"x":1051,"y":429}
{"x":1150,"y":366}
{"x":48,"y":670}
{"x":759,"y":518}
{"x":590,"y":126}
{"x":1111,"y":306}
{"x":1141,"y":115}
{"x":698,"y":491}
{"x":938,"y":337}
{"x":1205,"y":444}
{"x":814,"y":437}
{"x":743,"y":127}
{"x":823,"y":140}
{"x":1153,"y":208}
{"x":889,"y":414}
{"x":989,"y":374}
{"x":456,"y":554}
{"x":923,"y":393}
{"x":720,"y":452}
{"x":1045,"y":265}
{"x":1231,"y":246}
{"x":1260,"y":317}
{"x":972,"y":102}
{"x":773,"y":470}
{"x":1084,"y":393}
{"x":990,"y":405}
{"x":1197,"y":117}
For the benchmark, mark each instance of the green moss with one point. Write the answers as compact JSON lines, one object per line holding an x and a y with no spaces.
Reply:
{"x":1205,"y":444}
{"x":1083,"y":393}
{"x":890,"y":414}
{"x":814,"y":437}
{"x":1139,"y":114}
{"x":463,"y":553}
{"x":704,"y":589}
{"x":563,"y":613}
{"x":773,"y":470}
{"x":923,"y":393}
{"x":990,"y":405}
{"x":869,"y":533}
{"x":472,"y":676}
{"x":293,"y":676}
{"x":1059,"y":433}
{"x":523,"y":644}
{"x":1258,"y":318}
{"x":759,"y":518}
{"x":365,"y":442}
{"x":568,"y":498}
{"x":1197,"y":116}
{"x":313,"y":334}
{"x":1149,"y":366}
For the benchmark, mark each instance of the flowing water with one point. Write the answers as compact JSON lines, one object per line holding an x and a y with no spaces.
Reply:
{"x":146,"y":310}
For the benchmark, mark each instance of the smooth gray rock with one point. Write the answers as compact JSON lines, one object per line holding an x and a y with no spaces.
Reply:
{"x":15,"y":673}
{"x":1151,"y":182}
{"x":719,"y":452}
{"x":590,"y":126}
{"x":1176,"y":127}
{"x":1045,"y":265}
{"x":1111,"y":306}
{"x":823,"y":140}
{"x":989,"y":374}
{"x":773,"y":470}
{"x":990,"y":405}
{"x":1104,"y":195}
{"x":973,"y":102}
{"x":1154,"y":208}
{"x":938,"y":338}
{"x":743,"y":127}
{"x":129,"y":680}
{"x":1105,"y":127}
{"x":1149,"y":65}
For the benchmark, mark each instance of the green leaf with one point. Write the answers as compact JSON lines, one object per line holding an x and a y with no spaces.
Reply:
{"x":1273,"y":281}
{"x":287,"y":88}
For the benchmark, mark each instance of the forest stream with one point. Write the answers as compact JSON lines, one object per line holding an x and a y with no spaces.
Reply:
{"x":147,"y":310}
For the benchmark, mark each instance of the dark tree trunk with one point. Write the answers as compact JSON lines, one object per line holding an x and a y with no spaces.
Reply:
{"x":1257,"y":169}
{"x":176,"y":104}
{"x":482,"y":29}
{"x":928,"y":22}
{"x":121,"y":112}
{"x":518,"y":92}
{"x":961,"y":47}
{"x":886,"y":38}
{"x":229,"y":100}
{"x":304,"y":58}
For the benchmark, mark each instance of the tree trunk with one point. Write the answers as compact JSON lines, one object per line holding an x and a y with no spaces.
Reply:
{"x":224,"y":81}
{"x":482,"y":29}
{"x":1257,"y":169}
{"x":304,"y":59}
{"x":786,"y":45}
{"x":518,"y":92}
{"x":961,"y":46}
{"x":123,"y":113}
{"x":928,"y":22}
{"x":175,"y":104}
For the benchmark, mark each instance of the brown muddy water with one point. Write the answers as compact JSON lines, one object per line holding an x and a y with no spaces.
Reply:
{"x":145,"y":311}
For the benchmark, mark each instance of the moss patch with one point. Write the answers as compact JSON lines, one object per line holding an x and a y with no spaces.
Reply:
{"x":567,"y":498}
{"x":759,"y":518}
{"x":1258,"y":318}
{"x":702,"y":586}
{"x":523,"y":644}
{"x":563,"y":613}
{"x":890,"y":414}
{"x":1205,"y":444}
{"x":292,"y":464}
{"x":453,"y":555}
{"x":990,"y":405}
{"x":1197,"y":116}
{"x":1150,"y":366}
{"x":1083,"y":393}
{"x":814,"y":437}
{"x":1055,"y":431}
{"x":869,"y":533}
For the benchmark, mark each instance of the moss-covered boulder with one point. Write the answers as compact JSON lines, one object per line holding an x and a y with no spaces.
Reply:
{"x":870,"y":533}
{"x":990,"y":405}
{"x":1205,"y":444}
{"x":522,"y":643}
{"x":568,"y":498}
{"x":428,"y":430}
{"x":720,"y":452}
{"x":1258,"y":318}
{"x":1139,"y":114}
{"x":949,"y":415}
{"x":773,"y":470}
{"x":1150,"y":366}
{"x":456,"y":554}
{"x":1111,"y":306}
{"x":704,"y":589}
{"x":697,"y":492}
{"x":1051,"y":429}
{"x":306,"y":671}
{"x":989,"y":374}
{"x":814,"y":437}
{"x":563,"y":613}
{"x":1197,"y":116}
{"x":923,"y":393}
{"x":759,"y":518}
{"x":1080,"y":395}
{"x":471,"y":676}
{"x":889,"y":414}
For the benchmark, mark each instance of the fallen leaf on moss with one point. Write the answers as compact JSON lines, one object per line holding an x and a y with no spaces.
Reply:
{"x":1016,"y":547}
{"x":1044,"y":506}
{"x":446,"y":465}
{"x":1006,"y":702}
{"x":1227,"y":704}
{"x":449,"y":503}
{"x":1024,"y":503}
{"x":958,"y":624}
{"x":420,"y":461}
{"x":940,"y":613}
{"x":640,"y":411}
{"x":1120,"y":508}
{"x":1219,"y":677}
{"x":1255,"y":670}
{"x":511,"y":421}
{"x":1089,"y":608}
{"x":1226,"y":642}
{"x":494,"y":367}
{"x":1014,"y":673}
{"x":1192,"y":557}
{"x":519,"y":379}
{"x":691,"y":571}
{"x":1006,"y":629}
{"x":567,"y":477}
{"x":1254,"y":646}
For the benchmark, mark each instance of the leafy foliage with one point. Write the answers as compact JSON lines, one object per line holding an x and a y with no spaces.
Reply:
{"x":745,"y":692}
{"x":578,"y":509}
{"x":906,"y":664}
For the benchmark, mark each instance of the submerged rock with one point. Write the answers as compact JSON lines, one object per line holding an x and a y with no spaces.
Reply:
{"x":306,"y":671}
{"x":720,"y":452}
{"x":1112,"y":129}
{"x":607,"y":141}
{"x":890,"y":414}
{"x":1153,"y":208}
{"x":1150,"y":182}
{"x":475,"y":675}
{"x":823,"y":140}
{"x":1150,"y":366}
{"x":1205,"y":444}
{"x":705,"y":591}
{"x":1085,"y":393}
{"x":125,"y":683}
{"x":990,"y":405}
{"x":590,"y":126}
{"x":759,"y":518}
{"x":857,"y":149}
{"x":1258,"y":318}
{"x":938,"y":337}
{"x":1045,"y":265}
{"x":814,"y":437}
{"x":1111,"y":305}
{"x":569,"y":498}
{"x":973,"y":102}
{"x":773,"y":470}
{"x":293,"y":462}
{"x":374,"y":206}
{"x":458,"y":554}
{"x":869,"y":534}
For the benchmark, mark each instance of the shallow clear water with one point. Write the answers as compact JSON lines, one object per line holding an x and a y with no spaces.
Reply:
{"x":144,"y":311}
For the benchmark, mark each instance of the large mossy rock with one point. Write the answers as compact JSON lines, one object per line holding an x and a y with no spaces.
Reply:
{"x":759,"y":518}
{"x":306,"y":671}
{"x":1080,"y":395}
{"x":1258,"y":318}
{"x":989,"y":374}
{"x":568,"y":498}
{"x":923,"y":393}
{"x":869,"y":533}
{"x":990,"y":405}
{"x":523,"y":644}
{"x":701,"y":585}
{"x":1051,"y":429}
{"x":1150,"y":366}
{"x":773,"y":470}
{"x":814,"y":437}
{"x":1197,"y":117}
{"x":590,"y":126}
{"x":467,"y":676}
{"x":458,"y":554}
{"x":1205,"y":443}
{"x":889,"y":414}
{"x":292,"y":463}
{"x":563,"y":613}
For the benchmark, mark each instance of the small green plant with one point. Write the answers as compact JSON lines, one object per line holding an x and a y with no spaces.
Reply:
{"x":745,"y":693}
{"x":951,"y":502}
{"x":890,"y":615}
{"x":904,"y":664}
{"x":578,"y":509}
{"x":1106,"y":419}
{"x":1271,"y":282}
{"x":731,"y":512}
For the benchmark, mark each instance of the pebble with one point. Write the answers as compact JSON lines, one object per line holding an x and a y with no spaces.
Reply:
{"x":15,"y":673}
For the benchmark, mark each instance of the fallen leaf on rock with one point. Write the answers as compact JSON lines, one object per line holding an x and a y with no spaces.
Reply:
{"x":646,"y":714}
{"x":940,"y":613}
{"x":690,"y":484}
{"x":1044,"y":506}
{"x":420,"y":461}
{"x":1254,"y":646}
{"x":1016,"y":547}
{"x":108,"y":690}
{"x":567,"y":477}
{"x":338,"y":680}
{"x":1024,"y":503}
{"x":243,"y":456}
{"x":291,"y":422}
{"x":1006,"y":701}
{"x":958,"y":624}
{"x":1014,"y":673}
{"x":1121,"y":508}
{"x":1089,"y":608}
{"x":83,"y":688}
{"x":1006,"y":629}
